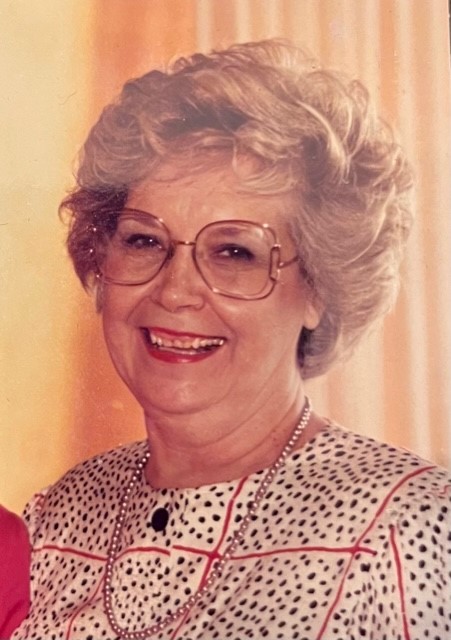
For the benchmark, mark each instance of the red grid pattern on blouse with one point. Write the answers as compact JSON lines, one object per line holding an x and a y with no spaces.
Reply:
{"x":214,"y":554}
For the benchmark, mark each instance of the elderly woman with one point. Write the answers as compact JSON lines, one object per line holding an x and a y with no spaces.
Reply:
{"x":241,"y":219}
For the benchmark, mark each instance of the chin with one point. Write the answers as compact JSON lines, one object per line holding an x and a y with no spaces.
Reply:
{"x":173,"y":400}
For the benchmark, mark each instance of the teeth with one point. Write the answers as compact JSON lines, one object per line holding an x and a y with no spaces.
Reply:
{"x":185,"y":343}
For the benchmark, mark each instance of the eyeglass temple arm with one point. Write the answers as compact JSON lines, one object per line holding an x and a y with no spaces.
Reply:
{"x":276,"y":264}
{"x":286,"y":263}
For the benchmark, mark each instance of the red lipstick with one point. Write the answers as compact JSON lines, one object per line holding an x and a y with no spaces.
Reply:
{"x":176,"y":358}
{"x":175,"y":347}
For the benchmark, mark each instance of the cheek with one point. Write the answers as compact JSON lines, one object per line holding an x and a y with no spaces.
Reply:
{"x":117,"y":303}
{"x":120,"y":337}
{"x":288,"y":320}
{"x":118,"y":330}
{"x":275,"y":326}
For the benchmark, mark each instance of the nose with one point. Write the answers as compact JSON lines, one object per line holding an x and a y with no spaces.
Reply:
{"x":179,"y":285}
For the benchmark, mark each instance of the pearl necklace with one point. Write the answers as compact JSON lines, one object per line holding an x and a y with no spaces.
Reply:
{"x":220,"y":563}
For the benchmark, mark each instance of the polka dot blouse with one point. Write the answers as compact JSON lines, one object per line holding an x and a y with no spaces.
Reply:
{"x":351,"y":542}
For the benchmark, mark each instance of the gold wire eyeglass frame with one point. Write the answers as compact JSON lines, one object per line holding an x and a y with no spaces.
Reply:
{"x":274,"y":262}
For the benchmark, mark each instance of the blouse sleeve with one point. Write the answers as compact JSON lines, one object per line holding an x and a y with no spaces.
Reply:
{"x":421,"y":551}
{"x":32,"y":513}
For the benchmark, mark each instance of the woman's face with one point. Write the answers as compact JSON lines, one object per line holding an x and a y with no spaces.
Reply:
{"x":252,"y":352}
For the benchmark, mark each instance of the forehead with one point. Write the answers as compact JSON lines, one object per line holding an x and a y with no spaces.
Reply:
{"x":191,"y":198}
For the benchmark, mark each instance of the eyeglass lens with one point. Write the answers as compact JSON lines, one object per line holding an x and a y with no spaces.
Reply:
{"x":233,"y":257}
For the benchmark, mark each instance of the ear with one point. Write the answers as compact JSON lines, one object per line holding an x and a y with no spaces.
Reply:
{"x":97,"y":291}
{"x":313,"y":310}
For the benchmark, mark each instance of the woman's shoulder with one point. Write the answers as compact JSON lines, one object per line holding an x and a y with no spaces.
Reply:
{"x":121,"y":459}
{"x":369,"y":490}
{"x":365,"y":452}
{"x":104,"y":470}
{"x":361,"y":465}
{"x":96,"y":479}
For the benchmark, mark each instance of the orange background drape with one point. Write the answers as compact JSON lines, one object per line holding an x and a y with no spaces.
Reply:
{"x":61,"y":61}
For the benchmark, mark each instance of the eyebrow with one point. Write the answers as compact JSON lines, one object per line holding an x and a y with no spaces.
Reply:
{"x":138,"y":215}
{"x":229,"y":231}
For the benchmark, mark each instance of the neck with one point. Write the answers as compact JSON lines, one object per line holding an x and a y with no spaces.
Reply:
{"x":194,"y":450}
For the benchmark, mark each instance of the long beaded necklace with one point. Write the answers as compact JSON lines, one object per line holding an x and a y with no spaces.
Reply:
{"x":220,"y":563}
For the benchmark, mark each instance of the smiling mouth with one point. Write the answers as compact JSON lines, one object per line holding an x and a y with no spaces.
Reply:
{"x":186,"y":345}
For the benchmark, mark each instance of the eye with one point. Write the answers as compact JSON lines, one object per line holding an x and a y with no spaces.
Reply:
{"x":233,"y":252}
{"x":139,"y":235}
{"x":141,"y":241}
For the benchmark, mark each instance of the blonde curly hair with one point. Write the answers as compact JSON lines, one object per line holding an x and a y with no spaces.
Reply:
{"x":313,"y":133}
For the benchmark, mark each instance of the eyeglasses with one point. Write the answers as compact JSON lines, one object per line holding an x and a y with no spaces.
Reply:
{"x":235,"y":258}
